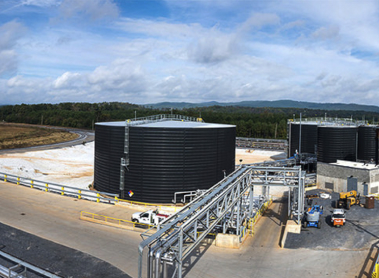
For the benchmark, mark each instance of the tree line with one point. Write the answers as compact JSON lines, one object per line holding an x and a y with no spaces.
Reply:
{"x":250,"y":122}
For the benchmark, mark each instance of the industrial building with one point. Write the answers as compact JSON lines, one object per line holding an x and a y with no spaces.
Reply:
{"x":343,"y":176}
{"x":150,"y":159}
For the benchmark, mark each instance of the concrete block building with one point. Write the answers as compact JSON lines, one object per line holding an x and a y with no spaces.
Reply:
{"x":343,"y":176}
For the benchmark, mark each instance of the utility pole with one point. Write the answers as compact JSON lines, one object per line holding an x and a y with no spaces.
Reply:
{"x":276,"y":129}
{"x":300,"y":136}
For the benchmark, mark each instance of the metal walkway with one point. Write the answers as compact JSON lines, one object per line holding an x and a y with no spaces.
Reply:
{"x":221,"y":207}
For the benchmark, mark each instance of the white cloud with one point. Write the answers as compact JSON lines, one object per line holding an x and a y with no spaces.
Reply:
{"x":159,"y":28}
{"x":67,"y":80}
{"x":212,"y":48}
{"x":325,"y":33}
{"x":10,"y":33}
{"x":94,"y":9}
{"x":40,"y":3}
{"x":259,"y":20}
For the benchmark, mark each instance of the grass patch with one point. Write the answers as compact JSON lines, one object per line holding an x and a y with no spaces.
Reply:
{"x":15,"y":136}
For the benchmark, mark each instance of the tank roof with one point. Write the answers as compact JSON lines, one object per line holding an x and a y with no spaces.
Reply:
{"x":337,"y":126}
{"x":356,"y":165}
{"x":121,"y":123}
{"x":180,"y":124}
{"x":169,"y":124}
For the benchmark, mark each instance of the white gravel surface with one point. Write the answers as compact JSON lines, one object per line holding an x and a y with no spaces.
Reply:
{"x":259,"y":152}
{"x":72,"y":166}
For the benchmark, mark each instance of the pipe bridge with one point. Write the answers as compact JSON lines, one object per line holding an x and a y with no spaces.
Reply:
{"x":227,"y":205}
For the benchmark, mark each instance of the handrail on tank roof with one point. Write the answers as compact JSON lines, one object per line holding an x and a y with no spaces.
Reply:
{"x":329,"y":121}
{"x":161,"y":118}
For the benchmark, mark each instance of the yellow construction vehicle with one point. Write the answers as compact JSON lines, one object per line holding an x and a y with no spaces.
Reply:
{"x":347,"y":199}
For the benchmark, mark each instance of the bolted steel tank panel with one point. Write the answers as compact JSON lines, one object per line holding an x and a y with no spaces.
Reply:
{"x":168,"y":160}
{"x":109,"y":149}
{"x":308,"y":138}
{"x":366,"y":142}
{"x":336,"y":142}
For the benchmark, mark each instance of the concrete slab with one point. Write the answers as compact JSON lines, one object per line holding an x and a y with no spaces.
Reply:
{"x":56,"y":218}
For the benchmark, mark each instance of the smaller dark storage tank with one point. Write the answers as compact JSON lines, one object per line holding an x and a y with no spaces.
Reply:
{"x":336,"y":142}
{"x":366,"y":142}
{"x":308,"y":138}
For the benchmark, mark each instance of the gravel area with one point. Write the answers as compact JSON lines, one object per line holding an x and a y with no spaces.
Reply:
{"x":360,"y":231}
{"x":53,"y":257}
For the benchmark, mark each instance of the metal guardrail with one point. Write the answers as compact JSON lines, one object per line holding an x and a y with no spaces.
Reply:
{"x":260,"y":143}
{"x":149,"y":205}
{"x":12,"y":272}
{"x":63,"y":190}
{"x":112,"y":221}
{"x":249,"y":228}
{"x":375,"y":270}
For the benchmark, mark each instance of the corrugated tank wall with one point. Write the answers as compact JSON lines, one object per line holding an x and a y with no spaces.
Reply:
{"x":336,"y":142}
{"x":367,"y":143}
{"x":109,"y":149}
{"x":168,"y":160}
{"x":308,"y":138}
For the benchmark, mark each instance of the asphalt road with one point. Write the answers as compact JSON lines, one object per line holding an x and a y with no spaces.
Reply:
{"x":55,"y":218}
{"x":53,"y":257}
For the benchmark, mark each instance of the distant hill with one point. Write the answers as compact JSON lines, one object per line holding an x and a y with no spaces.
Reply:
{"x":273,"y":104}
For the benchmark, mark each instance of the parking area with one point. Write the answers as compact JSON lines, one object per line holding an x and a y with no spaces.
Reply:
{"x":361,"y":230}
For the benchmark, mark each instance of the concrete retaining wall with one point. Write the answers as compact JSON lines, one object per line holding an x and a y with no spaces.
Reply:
{"x":291,"y":227}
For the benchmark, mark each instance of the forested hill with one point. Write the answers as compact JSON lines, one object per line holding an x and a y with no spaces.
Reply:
{"x":272,"y":104}
{"x":262,"y":122}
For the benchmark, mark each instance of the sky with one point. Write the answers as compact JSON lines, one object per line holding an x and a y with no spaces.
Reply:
{"x":150,"y":51}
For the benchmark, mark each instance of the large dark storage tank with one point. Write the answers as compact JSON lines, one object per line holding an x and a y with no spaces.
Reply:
{"x":109,"y":149}
{"x":308,"y":138}
{"x":366,"y":143}
{"x":336,"y":142}
{"x":165,"y":157}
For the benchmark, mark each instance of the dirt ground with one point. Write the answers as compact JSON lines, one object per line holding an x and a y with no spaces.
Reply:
{"x":16,"y":136}
{"x":250,"y":156}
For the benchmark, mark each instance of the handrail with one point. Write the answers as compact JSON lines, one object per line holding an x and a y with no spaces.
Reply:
{"x":260,"y":212}
{"x":161,"y":117}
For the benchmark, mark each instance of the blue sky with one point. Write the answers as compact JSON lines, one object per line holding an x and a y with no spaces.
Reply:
{"x":143,"y":51}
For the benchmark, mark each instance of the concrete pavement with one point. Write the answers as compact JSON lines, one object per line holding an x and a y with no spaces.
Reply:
{"x":56,"y":218}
